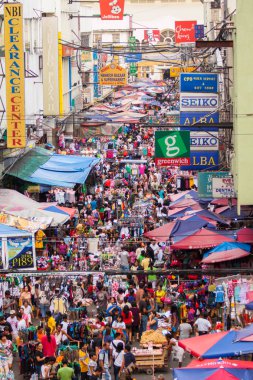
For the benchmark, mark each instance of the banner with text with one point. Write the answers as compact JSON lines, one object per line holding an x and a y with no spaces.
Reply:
{"x":204,"y":141}
{"x":223,"y":187}
{"x":14,"y":75}
{"x":198,"y":82}
{"x":205,"y":183}
{"x":152,"y":36}
{"x":176,"y":71}
{"x":113,"y":75}
{"x":203,"y":160}
{"x":198,"y":102}
{"x":20,"y":252}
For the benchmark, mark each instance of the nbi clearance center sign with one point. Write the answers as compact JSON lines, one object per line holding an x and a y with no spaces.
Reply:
{"x":172,"y":148}
{"x":113,"y":75}
{"x":14,"y":72}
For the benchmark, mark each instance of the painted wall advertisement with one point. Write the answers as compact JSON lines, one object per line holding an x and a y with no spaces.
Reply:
{"x":113,"y":75}
{"x":112,"y":9}
{"x":198,"y":102}
{"x":198,"y":82}
{"x":185,"y":31}
{"x":205,"y":183}
{"x":223,"y":187}
{"x":172,"y":148}
{"x":14,"y":75}
{"x":20,"y":252}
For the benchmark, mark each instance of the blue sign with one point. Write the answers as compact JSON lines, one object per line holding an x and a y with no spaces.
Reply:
{"x":199,"y":31}
{"x":95,"y":80}
{"x":95,"y":55}
{"x":190,"y":118}
{"x":203,"y":160}
{"x":133,"y":57}
{"x":198,"y":82}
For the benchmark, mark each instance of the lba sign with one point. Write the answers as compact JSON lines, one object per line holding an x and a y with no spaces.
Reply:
{"x":172,"y":148}
{"x":198,"y":102}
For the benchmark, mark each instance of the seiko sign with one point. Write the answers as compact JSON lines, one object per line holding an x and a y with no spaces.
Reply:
{"x":204,"y":141}
{"x":198,"y":102}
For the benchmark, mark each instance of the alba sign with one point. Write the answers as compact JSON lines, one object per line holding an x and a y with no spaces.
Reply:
{"x":172,"y":148}
{"x":113,"y":75}
{"x":112,"y":9}
{"x":185,"y":31}
{"x":198,"y":102}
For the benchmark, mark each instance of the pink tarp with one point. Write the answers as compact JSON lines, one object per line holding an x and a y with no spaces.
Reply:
{"x":231,"y":254}
{"x":162,"y":233}
{"x":245,"y":235}
{"x":201,"y":239}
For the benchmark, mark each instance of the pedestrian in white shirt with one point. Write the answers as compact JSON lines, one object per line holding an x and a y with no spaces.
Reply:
{"x":12,"y":320}
{"x":202,"y":325}
{"x":21,"y":322}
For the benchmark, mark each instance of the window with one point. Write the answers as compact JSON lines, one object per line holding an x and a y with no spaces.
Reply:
{"x":116,"y":37}
{"x":97,"y":37}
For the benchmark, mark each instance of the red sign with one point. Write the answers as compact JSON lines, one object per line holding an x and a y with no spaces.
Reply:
{"x":152,"y":36}
{"x":185,"y":31}
{"x":172,"y":161}
{"x":112,"y":9}
{"x":67,"y":51}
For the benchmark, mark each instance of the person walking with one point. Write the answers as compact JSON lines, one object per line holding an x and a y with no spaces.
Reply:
{"x":49,"y":343}
{"x":104,"y":360}
{"x":202,"y":325}
{"x":65,"y":373}
{"x":119,"y":360}
{"x":185,"y":329}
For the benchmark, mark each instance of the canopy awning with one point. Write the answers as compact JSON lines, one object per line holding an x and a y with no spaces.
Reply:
{"x":245,"y":235}
{"x":225,"y":252}
{"x":200,"y":240}
{"x":53,"y":170}
{"x":7,"y":231}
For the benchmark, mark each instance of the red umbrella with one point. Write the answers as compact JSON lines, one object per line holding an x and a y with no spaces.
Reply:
{"x":201,"y":239}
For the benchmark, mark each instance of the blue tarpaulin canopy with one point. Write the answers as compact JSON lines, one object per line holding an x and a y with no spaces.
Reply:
{"x":7,"y":231}
{"x":227,"y":246}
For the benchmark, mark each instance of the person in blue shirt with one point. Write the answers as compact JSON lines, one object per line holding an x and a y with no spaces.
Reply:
{"x":93,"y":204}
{"x":153,"y":321}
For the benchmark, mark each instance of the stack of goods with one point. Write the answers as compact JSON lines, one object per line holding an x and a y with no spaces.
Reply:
{"x":153,"y":336}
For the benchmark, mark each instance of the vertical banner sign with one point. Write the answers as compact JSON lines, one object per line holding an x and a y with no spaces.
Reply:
{"x":51,"y":99}
{"x":172,"y":148}
{"x":20,"y":252}
{"x":185,"y":31}
{"x":1,"y":254}
{"x":15,"y":75}
{"x":112,"y":9}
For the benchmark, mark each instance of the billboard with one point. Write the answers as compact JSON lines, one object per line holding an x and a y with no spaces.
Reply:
{"x":185,"y":31}
{"x":198,"y":82}
{"x":14,"y":75}
{"x":205,"y":183}
{"x":172,"y":148}
{"x":204,"y":141}
{"x":112,"y":9}
{"x":198,"y":102}
{"x":152,"y":36}
{"x":203,"y":160}
{"x":50,"y":66}
{"x":113,"y":75}
{"x":189,"y":118}
{"x":223,"y":187}
{"x":20,"y":252}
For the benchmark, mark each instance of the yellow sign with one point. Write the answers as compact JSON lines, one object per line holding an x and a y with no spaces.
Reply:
{"x":113,"y":75}
{"x":175,"y":71}
{"x":86,"y":56}
{"x":15,"y":75}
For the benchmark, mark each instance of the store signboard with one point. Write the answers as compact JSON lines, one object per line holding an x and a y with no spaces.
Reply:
{"x":205,"y":182}
{"x":152,"y":36}
{"x":133,"y":57}
{"x":185,"y":31}
{"x":172,"y":148}
{"x":112,"y":9}
{"x":113,"y":75}
{"x":176,"y":71}
{"x":20,"y":253}
{"x":199,"y":31}
{"x":204,"y":118}
{"x":223,"y":187}
{"x":203,"y":160}
{"x":50,"y":46}
{"x":198,"y":82}
{"x":14,"y":75}
{"x":193,"y":102}
{"x":204,"y":141}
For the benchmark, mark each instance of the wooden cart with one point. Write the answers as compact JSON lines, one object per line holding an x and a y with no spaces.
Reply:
{"x":150,"y":360}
